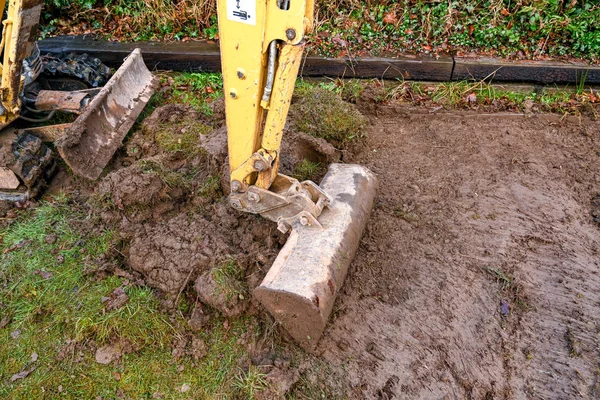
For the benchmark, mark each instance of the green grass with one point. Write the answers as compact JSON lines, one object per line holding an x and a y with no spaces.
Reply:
{"x":307,"y":170}
{"x":198,"y":89}
{"x":66,"y":307}
{"x":230,"y":278}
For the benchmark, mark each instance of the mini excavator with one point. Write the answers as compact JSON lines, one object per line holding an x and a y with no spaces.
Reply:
{"x":262,"y":42}
{"x":33,"y":89}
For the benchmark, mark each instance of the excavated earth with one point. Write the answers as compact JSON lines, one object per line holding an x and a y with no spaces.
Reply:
{"x":477,"y":276}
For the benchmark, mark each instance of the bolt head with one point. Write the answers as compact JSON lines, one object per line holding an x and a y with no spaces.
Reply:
{"x":235,"y":203}
{"x":260,"y":165}
{"x":303,"y":221}
{"x":290,"y":34}
{"x":233,"y":95}
{"x":254,"y":197}
{"x":236,"y":186}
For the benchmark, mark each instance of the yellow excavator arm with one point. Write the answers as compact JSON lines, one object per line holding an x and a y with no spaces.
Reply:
{"x":18,"y":40}
{"x":261,"y":49}
{"x":262,"y":42}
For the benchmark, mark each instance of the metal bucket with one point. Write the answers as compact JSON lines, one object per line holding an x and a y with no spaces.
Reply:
{"x":90,"y":142}
{"x":300,"y":288}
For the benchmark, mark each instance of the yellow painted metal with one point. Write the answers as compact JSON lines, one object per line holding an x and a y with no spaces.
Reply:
{"x":244,"y":47}
{"x":243,"y":66}
{"x":22,"y":18}
{"x":285,"y":80}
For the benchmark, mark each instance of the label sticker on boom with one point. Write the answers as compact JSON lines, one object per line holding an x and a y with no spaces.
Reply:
{"x":242,"y":11}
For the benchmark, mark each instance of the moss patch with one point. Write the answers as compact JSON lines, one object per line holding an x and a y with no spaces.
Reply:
{"x":322,"y":113}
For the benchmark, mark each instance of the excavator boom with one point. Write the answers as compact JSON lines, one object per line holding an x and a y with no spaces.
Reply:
{"x":262,"y":42}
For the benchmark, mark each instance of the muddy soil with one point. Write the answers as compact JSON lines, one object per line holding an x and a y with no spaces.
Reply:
{"x":166,"y":196}
{"x":478,"y":274}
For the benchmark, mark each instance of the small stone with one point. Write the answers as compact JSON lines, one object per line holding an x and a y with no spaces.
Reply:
{"x":185,"y":388}
{"x":107,"y":354}
{"x":50,"y":239}
{"x":34,"y":357}
{"x":15,"y":334}
{"x":343,"y":344}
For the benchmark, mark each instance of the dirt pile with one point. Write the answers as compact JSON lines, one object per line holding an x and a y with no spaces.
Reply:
{"x":171,"y":254}
{"x":172,"y":215}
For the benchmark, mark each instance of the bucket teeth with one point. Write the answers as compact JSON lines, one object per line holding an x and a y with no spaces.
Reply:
{"x":300,"y":288}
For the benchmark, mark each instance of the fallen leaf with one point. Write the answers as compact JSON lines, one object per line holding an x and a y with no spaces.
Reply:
{"x":505,"y":12}
{"x":34,"y":357}
{"x":504,"y":309}
{"x":50,"y":239}
{"x":23,"y":374}
{"x":390,"y":18}
{"x":44,"y":274}
{"x":471,"y":98}
{"x":15,"y":334}
{"x":17,"y":246}
{"x":118,"y":298}
{"x":185,"y":388}
{"x":4,"y":322}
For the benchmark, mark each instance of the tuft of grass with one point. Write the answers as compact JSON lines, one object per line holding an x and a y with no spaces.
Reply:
{"x":307,"y":170}
{"x":169,"y":177}
{"x":351,"y":89}
{"x":229,"y":276}
{"x":322,"y":113}
{"x":198,"y":89}
{"x":510,"y":288}
{"x":250,"y":383}
{"x":182,"y":137}
{"x":210,"y":188}
{"x":486,"y":96}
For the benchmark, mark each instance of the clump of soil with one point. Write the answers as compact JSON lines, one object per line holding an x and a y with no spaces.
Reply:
{"x":222,"y":288}
{"x":171,"y":254}
{"x":173,"y":129}
{"x":324,"y":114}
{"x":131,"y":186}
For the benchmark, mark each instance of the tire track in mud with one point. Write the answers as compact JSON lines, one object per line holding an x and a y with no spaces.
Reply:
{"x":477,"y":276}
